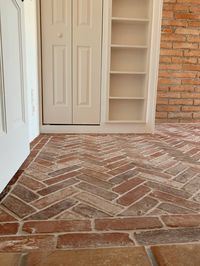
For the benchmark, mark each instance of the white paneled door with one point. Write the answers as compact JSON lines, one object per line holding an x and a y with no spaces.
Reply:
{"x":56,"y":19}
{"x":14,"y":144}
{"x":71,"y":61}
{"x":87,"y":27}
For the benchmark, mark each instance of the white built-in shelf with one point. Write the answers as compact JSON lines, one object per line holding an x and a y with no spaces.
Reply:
{"x":130,"y":20}
{"x":127,"y":86}
{"x":129,"y":46}
{"x":127,"y":73}
{"x":129,"y":34}
{"x":126,"y":98}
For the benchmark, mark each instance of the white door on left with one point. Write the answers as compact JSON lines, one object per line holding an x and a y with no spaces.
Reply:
{"x":14,"y":144}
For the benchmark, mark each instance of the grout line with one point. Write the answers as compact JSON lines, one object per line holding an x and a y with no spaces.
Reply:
{"x":23,"y":259}
{"x":151,"y":256}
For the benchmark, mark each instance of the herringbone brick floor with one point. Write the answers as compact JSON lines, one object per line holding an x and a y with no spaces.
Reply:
{"x":79,"y":191}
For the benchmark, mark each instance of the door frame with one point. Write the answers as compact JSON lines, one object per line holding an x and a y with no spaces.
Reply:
{"x":104,"y":126}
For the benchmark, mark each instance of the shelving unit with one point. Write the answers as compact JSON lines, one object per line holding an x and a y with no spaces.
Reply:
{"x":129,"y":59}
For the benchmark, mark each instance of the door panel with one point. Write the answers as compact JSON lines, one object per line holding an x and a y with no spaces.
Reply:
{"x":87,"y":33}
{"x":14,"y":144}
{"x":56,"y":57}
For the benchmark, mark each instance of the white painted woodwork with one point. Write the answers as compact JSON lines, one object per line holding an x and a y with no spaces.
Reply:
{"x":71,"y":49}
{"x":130,"y":43}
{"x":131,"y":8}
{"x":133,"y":85}
{"x":87,"y":39}
{"x":14,"y":145}
{"x":128,"y":60}
{"x":56,"y":20}
{"x":126,"y":110}
{"x":139,"y":87}
{"x":122,"y":33}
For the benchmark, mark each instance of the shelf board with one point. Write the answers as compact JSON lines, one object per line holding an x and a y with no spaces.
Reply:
{"x":130,"y":20}
{"x":129,"y":46}
{"x":126,"y":98}
{"x":126,"y":121}
{"x":128,"y":72}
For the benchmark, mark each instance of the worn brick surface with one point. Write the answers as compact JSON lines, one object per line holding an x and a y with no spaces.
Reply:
{"x":185,"y":235}
{"x":8,"y":228}
{"x":9,"y":259}
{"x":92,"y":257}
{"x":6,"y":217}
{"x":179,"y":255}
{"x":27,"y":243}
{"x":133,"y":195}
{"x":56,"y":226}
{"x":113,"y":190}
{"x":20,"y":208}
{"x":94,"y":240}
{"x":182,"y":220}
{"x":127,"y":223}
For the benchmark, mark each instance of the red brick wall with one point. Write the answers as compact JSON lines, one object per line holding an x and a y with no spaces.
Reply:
{"x":179,"y":75}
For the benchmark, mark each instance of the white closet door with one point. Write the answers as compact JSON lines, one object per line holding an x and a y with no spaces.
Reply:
{"x":14,"y":144}
{"x":56,"y":16}
{"x":87,"y":34}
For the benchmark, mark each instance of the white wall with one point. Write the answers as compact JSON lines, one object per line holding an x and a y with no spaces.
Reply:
{"x":32,"y":67}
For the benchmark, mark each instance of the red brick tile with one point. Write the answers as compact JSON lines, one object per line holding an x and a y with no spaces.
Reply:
{"x":8,"y":228}
{"x":174,"y":209}
{"x":88,"y":211}
{"x":94,"y":240}
{"x":114,"y":159}
{"x":155,"y":173}
{"x":44,"y":162}
{"x":94,"y":174}
{"x":128,"y":185}
{"x":24,"y":193}
{"x":177,"y":169}
{"x":140,"y":207}
{"x":91,"y":257}
{"x":31,"y":183}
{"x":27,"y":243}
{"x":127,"y":223}
{"x":54,"y":197}
{"x":61,"y":178}
{"x":56,"y":187}
{"x":56,"y":226}
{"x":124,"y":176}
{"x":53,"y":210}
{"x":8,"y":188}
{"x":182,"y":220}
{"x":117,"y":164}
{"x":177,"y":255}
{"x":99,"y":203}
{"x":97,"y":191}
{"x":122,"y":169}
{"x":95,"y":181}
{"x":133,"y":195}
{"x":64,"y":170}
{"x":170,"y":236}
{"x":18,"y":207}
{"x":176,"y":200}
{"x":168,"y":189}
{"x":5,"y":217}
